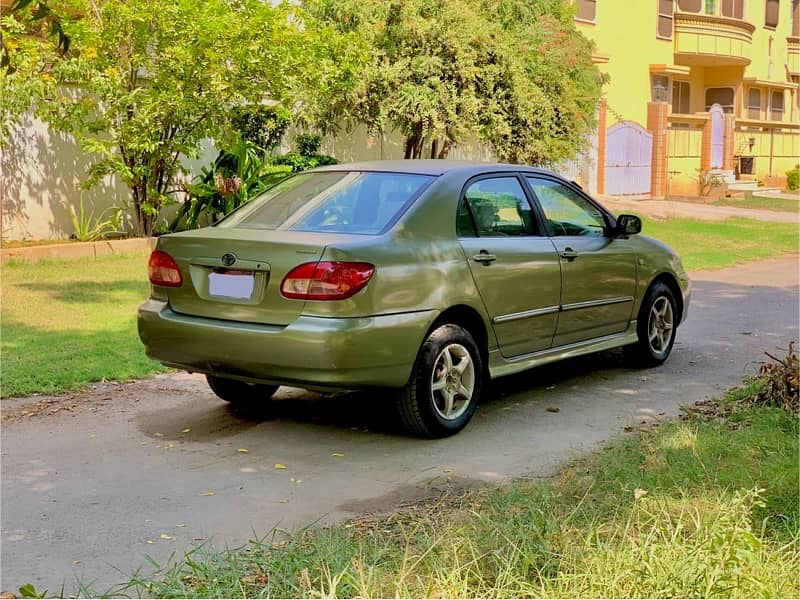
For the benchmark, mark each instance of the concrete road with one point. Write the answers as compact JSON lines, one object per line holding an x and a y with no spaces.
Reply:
{"x":94,"y":482}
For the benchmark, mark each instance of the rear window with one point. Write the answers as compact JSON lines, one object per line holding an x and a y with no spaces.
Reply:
{"x":331,"y":201}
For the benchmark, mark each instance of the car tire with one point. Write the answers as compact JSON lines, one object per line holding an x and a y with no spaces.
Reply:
{"x":445,"y":384}
{"x":656,"y":326}
{"x":240,"y":393}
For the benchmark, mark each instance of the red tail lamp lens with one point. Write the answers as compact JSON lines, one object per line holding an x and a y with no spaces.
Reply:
{"x":164,"y":270}
{"x":326,"y":280}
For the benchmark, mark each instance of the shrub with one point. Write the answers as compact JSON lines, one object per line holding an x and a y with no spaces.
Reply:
{"x":793,"y":178}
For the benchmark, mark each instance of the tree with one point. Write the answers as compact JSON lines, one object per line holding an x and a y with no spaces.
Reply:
{"x":515,"y":74}
{"x":153,"y":78}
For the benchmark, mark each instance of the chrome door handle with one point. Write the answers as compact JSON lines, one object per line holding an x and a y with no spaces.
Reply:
{"x":568,"y":254}
{"x":484,"y":257}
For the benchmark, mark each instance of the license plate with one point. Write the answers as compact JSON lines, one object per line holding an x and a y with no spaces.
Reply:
{"x":227,"y":285}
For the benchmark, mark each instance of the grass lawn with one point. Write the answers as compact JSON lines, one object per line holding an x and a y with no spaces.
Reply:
{"x":68,"y":323}
{"x":780,"y":204}
{"x":706,"y":507}
{"x":716,"y":244}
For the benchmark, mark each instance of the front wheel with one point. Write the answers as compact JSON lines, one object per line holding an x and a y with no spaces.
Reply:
{"x":656,"y":326}
{"x":445,"y":385}
{"x":240,"y":393}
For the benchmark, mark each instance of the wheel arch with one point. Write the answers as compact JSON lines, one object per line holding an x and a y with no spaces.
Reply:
{"x":470,"y":319}
{"x":671,"y":282}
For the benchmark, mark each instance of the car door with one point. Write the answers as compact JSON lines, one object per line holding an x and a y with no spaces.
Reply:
{"x":514,"y":265}
{"x":598,"y":272}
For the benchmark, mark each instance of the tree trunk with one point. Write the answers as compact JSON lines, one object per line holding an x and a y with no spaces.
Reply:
{"x":445,"y":149}
{"x":434,"y":146}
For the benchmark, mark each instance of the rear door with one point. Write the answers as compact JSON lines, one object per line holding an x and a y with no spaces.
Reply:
{"x":598,"y":272}
{"x":515,"y":266}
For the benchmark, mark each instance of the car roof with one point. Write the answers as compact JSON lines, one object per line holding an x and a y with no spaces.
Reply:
{"x":429,"y":167}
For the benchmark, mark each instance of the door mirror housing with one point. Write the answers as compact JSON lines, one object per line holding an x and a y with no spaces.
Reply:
{"x":627,"y":225}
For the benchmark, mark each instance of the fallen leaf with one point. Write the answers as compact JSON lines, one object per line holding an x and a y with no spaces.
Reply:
{"x":164,"y":536}
{"x":243,"y":450}
{"x":553,"y":409}
{"x":628,"y":428}
{"x":168,"y":446}
{"x":293,"y":480}
{"x":187,"y":430}
{"x":158,"y":434}
{"x":208,"y":493}
{"x":180,"y":525}
{"x":150,"y":542}
{"x":337,"y":454}
{"x":644,"y":378}
{"x":279,"y":466}
{"x":550,"y":387}
{"x":198,"y":539}
{"x":638,"y":493}
{"x":284,"y":501}
{"x":76,"y":562}
{"x":449,"y":470}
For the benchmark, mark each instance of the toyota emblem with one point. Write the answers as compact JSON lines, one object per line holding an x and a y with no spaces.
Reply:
{"x":228,"y":259}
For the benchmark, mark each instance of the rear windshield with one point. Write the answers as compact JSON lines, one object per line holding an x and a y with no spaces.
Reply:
{"x":331,"y":201}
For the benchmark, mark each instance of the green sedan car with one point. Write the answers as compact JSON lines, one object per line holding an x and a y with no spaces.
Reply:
{"x":426,"y":278}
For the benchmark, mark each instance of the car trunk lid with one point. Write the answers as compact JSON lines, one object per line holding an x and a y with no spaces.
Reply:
{"x":236,"y":274}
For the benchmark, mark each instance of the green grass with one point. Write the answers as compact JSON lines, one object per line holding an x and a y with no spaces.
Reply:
{"x":763,"y":203}
{"x":717,"y":244}
{"x":68,"y":323}
{"x":719,"y":519}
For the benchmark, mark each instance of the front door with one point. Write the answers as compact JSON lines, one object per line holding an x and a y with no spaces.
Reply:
{"x":515,"y":266}
{"x":598,"y":272}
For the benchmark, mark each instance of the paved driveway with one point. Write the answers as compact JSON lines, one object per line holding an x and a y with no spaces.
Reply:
{"x":92,"y":483}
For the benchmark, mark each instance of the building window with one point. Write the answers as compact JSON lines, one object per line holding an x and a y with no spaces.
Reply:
{"x":776,"y":106}
{"x":587,"y":10}
{"x":754,"y":103}
{"x":795,"y":18}
{"x":693,"y":6}
{"x":660,"y":88}
{"x":721,"y":96}
{"x":733,"y":9}
{"x":665,"y":10}
{"x":771,"y":19}
{"x":680,"y":98}
{"x":709,"y":7}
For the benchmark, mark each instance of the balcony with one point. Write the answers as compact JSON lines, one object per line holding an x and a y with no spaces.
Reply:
{"x":793,"y":56}
{"x":712,"y":41}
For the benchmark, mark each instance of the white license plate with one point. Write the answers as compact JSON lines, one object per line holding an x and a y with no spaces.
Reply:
{"x":238,"y":286}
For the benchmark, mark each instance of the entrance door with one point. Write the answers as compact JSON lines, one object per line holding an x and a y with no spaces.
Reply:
{"x":629,"y":154}
{"x":515,"y":266}
{"x":717,"y":136}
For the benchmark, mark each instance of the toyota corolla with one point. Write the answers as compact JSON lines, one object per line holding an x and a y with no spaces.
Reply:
{"x":425,"y":278}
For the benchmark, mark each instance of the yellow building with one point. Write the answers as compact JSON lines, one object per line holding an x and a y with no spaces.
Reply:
{"x":695,"y":86}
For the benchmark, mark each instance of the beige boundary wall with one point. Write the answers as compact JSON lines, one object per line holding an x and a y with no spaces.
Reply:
{"x":76,"y":250}
{"x":41,"y":170}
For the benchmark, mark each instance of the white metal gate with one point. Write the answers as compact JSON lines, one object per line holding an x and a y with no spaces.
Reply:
{"x":629,"y":154}
{"x":717,"y":136}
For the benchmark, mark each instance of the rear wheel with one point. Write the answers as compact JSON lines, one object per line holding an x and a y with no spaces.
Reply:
{"x":656,"y":326}
{"x":240,"y":393}
{"x":445,"y":385}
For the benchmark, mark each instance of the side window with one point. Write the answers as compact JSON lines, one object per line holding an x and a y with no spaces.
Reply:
{"x":566,"y":211}
{"x":495,"y":207}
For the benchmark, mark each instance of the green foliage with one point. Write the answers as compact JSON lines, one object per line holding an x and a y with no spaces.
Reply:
{"x":516,"y":74}
{"x":793,"y":179}
{"x":39,"y":19}
{"x":87,"y":228}
{"x":261,"y":125}
{"x":29,"y":591}
{"x":305,"y":156}
{"x":236,"y":176}
{"x":153,"y":78}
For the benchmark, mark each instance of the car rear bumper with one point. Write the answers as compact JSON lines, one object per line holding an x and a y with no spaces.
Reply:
{"x":312,"y":352}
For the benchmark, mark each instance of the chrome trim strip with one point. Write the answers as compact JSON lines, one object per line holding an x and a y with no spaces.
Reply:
{"x":594,"y":303}
{"x":537,"y":312}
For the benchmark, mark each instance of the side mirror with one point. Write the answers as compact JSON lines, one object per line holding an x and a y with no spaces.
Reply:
{"x":627,"y":225}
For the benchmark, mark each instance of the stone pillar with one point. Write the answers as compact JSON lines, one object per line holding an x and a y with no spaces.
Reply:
{"x":657,"y":113}
{"x":602,"y":122}
{"x":705,"y":148}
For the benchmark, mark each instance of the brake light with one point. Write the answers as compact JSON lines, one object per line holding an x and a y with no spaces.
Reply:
{"x":326,"y":280}
{"x":163,"y":270}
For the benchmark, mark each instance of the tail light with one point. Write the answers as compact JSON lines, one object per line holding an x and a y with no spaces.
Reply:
{"x":326,"y":280}
{"x":163,"y":270}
